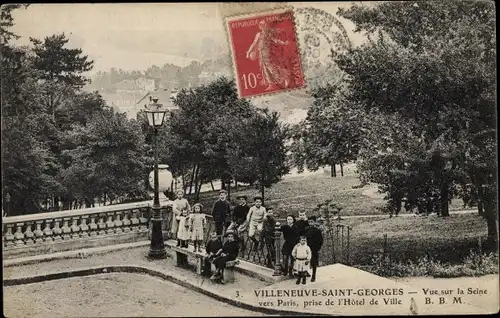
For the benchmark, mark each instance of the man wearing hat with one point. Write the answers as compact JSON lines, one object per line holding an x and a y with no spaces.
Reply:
{"x":228,"y":252}
{"x":221,"y":211}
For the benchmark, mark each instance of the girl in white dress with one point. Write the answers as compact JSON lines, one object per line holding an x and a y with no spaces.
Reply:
{"x":197,"y":223}
{"x":183,"y":232}
{"x":302,"y":255}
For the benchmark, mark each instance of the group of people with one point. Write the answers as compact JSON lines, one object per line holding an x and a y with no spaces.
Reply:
{"x":302,"y":238}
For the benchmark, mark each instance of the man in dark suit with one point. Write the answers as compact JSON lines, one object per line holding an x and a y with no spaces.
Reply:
{"x":314,"y":241}
{"x":221,"y":212}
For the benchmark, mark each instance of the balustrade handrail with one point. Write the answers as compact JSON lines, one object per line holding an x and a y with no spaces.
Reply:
{"x":77,"y":212}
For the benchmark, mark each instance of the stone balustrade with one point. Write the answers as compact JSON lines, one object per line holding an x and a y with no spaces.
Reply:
{"x":72,"y":229}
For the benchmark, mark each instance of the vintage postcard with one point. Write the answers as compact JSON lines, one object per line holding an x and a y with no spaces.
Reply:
{"x":249,"y":159}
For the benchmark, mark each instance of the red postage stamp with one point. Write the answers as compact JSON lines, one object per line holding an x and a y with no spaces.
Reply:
{"x":265,"y":53}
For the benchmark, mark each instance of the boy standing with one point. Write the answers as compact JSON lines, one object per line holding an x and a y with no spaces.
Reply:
{"x":314,"y":241}
{"x":255,"y":220}
{"x":221,"y":211}
{"x":302,"y":223}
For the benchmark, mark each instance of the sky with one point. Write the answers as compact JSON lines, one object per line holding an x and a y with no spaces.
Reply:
{"x":136,"y":36}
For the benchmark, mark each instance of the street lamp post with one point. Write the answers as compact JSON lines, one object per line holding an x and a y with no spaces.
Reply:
{"x":156,"y":115}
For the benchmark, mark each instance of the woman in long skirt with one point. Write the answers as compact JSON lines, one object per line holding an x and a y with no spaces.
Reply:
{"x":180,"y":204}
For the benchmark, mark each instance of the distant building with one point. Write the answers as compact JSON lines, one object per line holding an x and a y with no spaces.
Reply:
{"x":164,"y":97}
{"x":207,"y":77}
{"x":140,"y":84}
{"x":124,"y":102}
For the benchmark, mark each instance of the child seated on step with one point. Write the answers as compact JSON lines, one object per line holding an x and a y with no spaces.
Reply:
{"x":213,"y":245}
{"x":302,"y":255}
{"x":197,"y":223}
{"x":183,"y":231}
{"x":228,"y":252}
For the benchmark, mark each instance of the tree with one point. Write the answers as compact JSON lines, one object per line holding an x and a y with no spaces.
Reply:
{"x":23,"y":155}
{"x":59,"y":63}
{"x":207,"y":125}
{"x":107,"y":156}
{"x":264,"y":149}
{"x":330,"y":134}
{"x":6,"y":22}
{"x":433,"y":63}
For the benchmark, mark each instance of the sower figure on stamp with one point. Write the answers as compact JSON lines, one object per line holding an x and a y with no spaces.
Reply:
{"x":180,"y":204}
{"x":239,"y":223}
{"x":268,"y":236}
{"x":213,"y":245}
{"x":255,"y":220}
{"x":221,"y":211}
{"x":314,"y":241}
{"x":302,"y":254}
{"x":229,"y":252}
{"x":273,"y":73}
{"x":291,"y":237}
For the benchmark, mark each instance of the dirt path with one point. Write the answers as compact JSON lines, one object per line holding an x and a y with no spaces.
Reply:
{"x":116,"y":295}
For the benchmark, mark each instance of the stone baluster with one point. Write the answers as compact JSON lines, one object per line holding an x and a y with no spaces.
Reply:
{"x":143,"y":220}
{"x":126,"y":222}
{"x":84,"y":228}
{"x":110,"y":224}
{"x":9,"y":237}
{"x":28,"y":234}
{"x":47,"y":231}
{"x":118,"y":222}
{"x":75,"y":228}
{"x":56,"y":231}
{"x":38,"y":232}
{"x":66,"y":229}
{"x":101,"y":225}
{"x":19,"y":236}
{"x":93,"y":226}
{"x":135,"y":221}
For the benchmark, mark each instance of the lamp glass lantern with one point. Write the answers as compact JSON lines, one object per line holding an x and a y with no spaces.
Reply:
{"x":156,"y":113}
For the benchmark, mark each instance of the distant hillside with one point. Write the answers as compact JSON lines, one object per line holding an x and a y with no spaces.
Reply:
{"x":116,"y":83}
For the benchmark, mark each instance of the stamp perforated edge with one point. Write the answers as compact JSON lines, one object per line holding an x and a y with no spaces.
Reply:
{"x":278,"y":9}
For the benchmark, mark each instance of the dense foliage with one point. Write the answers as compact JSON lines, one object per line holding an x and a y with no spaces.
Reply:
{"x":418,"y":105}
{"x":63,"y":147}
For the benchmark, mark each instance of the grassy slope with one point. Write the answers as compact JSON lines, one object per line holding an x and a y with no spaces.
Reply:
{"x":445,"y":239}
{"x":304,"y":193}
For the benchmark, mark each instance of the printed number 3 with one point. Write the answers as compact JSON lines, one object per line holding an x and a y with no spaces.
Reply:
{"x":237,"y":294}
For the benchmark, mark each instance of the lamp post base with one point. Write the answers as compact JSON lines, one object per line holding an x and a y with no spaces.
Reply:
{"x":157,"y":247}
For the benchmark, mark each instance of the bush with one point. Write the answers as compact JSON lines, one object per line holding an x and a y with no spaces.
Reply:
{"x":475,"y":264}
